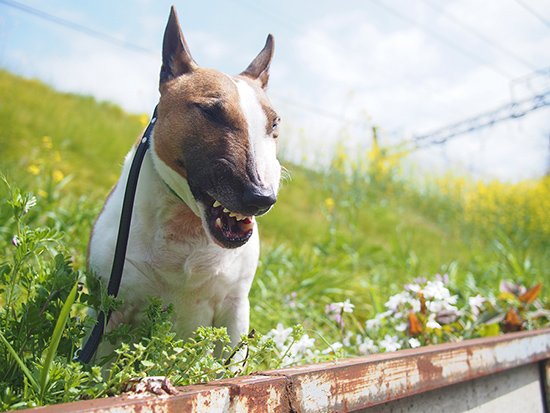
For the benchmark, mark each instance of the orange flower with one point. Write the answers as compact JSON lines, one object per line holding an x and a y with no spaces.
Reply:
{"x":512,"y":322}
{"x":531,"y":294}
{"x":415,"y":327}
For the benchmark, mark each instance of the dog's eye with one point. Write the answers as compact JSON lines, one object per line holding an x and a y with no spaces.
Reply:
{"x":275,"y":125}
{"x":213,"y":112}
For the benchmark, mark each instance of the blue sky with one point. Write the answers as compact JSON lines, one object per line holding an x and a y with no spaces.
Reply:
{"x":407,"y":66}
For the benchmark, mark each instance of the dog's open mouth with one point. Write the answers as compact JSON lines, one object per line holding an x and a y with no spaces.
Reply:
{"x":230,"y":229}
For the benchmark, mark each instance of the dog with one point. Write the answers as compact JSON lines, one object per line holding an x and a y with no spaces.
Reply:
{"x":210,"y":170}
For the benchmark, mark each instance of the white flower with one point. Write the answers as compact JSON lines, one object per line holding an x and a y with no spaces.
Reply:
{"x":346,"y":306}
{"x":302,"y":345}
{"x":415,"y":304}
{"x":432,"y":323}
{"x":390,"y":343}
{"x":396,"y":300}
{"x":367,"y":346}
{"x":415,"y":288}
{"x":289,"y":360}
{"x":333,"y":348}
{"x":346,"y":341}
{"x":401,"y":327}
{"x":373,"y":323}
{"x":376,"y":322}
{"x":436,"y":290}
{"x":414,"y":342}
{"x":279,"y":335}
{"x":438,"y":297}
{"x":476,"y":303}
{"x":437,"y":305}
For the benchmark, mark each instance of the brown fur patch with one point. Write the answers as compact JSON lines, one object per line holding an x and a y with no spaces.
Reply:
{"x":184,"y":225}
{"x":200,"y":123}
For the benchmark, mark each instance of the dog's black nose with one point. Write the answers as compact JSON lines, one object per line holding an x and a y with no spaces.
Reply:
{"x":258,"y":200}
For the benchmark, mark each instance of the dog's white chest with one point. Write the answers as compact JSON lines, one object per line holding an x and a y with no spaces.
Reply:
{"x":207,"y":284}
{"x":170,"y":258}
{"x":189,"y":264}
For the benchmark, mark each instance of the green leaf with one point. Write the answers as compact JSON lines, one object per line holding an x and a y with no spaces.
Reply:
{"x":22,"y":365}
{"x":57,"y":333}
{"x":489,"y":330}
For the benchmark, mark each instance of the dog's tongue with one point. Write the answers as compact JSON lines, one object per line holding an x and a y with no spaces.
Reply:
{"x":233,"y":228}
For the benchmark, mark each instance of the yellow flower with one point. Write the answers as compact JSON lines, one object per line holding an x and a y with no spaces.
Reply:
{"x":329,"y":203}
{"x":33,"y":169}
{"x":42,"y":193}
{"x":56,"y":157}
{"x":47,"y":142}
{"x":57,"y":176}
{"x":522,"y":205}
{"x":144,"y":119}
{"x":506,"y":296}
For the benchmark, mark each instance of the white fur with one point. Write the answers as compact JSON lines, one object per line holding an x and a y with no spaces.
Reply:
{"x":175,"y":181}
{"x":263,"y":145}
{"x":207,"y":284}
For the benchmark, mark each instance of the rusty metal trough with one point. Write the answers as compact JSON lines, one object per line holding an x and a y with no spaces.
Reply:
{"x":505,"y":373}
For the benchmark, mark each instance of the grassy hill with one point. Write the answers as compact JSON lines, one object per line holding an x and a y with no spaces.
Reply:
{"x":358,"y":231}
{"x":89,"y":140}
{"x":43,"y":131}
{"x":92,"y":137}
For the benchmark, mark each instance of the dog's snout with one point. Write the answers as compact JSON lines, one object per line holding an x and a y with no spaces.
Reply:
{"x":259,"y":200}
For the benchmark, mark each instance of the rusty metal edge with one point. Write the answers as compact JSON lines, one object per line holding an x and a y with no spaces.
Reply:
{"x":247,"y":393}
{"x":362,"y":382}
{"x":544,"y":366}
{"x":343,"y":385}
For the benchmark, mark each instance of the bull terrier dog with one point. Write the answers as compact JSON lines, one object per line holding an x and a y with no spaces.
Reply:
{"x":210,"y":170}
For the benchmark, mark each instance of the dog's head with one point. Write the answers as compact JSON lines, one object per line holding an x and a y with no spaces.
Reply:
{"x":215,"y":139}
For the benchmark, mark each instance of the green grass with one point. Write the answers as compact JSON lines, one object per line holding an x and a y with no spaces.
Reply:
{"x":388,"y":228}
{"x":332,"y":235}
{"x":91,"y":136}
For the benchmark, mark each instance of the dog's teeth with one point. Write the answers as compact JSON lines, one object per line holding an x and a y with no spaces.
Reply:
{"x":216,"y":204}
{"x":225,"y":210}
{"x":218,"y":223}
{"x":233,"y":215}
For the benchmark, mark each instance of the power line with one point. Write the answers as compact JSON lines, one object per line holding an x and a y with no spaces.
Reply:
{"x":535,"y":82}
{"x":317,"y":110}
{"x":534,"y":13}
{"x":136,"y":48}
{"x":512,"y":110}
{"x":282,"y":20}
{"x":286,"y":22}
{"x":479,"y":35}
{"x":130,"y":46}
{"x":444,"y":40}
{"x":78,"y":27}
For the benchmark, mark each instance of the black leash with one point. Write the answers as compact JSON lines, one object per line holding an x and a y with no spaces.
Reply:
{"x":122,"y":242}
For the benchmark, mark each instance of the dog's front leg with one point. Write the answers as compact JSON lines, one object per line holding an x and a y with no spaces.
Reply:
{"x":234,"y":315}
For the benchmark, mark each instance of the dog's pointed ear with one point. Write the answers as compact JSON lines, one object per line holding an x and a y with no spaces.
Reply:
{"x":259,"y":68}
{"x":176,"y":59}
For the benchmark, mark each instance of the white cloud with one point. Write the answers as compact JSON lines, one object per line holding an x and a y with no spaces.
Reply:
{"x":124,"y":77}
{"x":409,"y":82}
{"x":353,"y":60}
